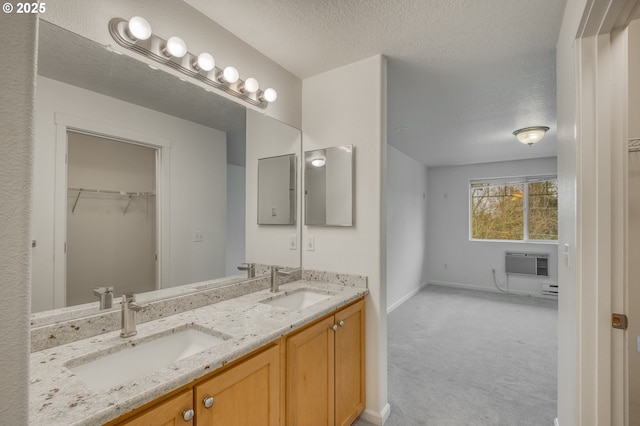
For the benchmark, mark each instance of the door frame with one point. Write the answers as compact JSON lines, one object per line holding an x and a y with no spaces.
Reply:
{"x":65,"y":123}
{"x":601,"y":75}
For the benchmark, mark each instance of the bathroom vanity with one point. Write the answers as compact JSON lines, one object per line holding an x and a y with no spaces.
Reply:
{"x":290,"y":357}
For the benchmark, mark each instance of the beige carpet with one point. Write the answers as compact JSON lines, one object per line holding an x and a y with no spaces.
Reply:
{"x":462,"y":357}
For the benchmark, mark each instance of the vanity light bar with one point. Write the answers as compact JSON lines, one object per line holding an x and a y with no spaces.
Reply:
{"x":173,"y":53}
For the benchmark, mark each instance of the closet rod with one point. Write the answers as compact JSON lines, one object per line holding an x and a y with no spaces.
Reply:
{"x":110,"y":191}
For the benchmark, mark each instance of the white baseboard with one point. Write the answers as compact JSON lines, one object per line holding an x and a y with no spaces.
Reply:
{"x":556,"y":422}
{"x":489,"y":289}
{"x":405,"y":298}
{"x":378,"y":419}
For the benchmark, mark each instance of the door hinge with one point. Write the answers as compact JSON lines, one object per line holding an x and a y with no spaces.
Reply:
{"x":619,"y":321}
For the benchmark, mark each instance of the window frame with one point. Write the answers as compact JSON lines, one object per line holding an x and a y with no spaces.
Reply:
{"x":513,"y":180}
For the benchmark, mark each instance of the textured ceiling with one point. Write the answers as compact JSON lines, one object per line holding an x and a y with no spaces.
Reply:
{"x":463,"y":74}
{"x":72,"y":59}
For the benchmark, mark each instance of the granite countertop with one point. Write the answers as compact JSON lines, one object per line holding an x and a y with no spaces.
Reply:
{"x":57,"y":397}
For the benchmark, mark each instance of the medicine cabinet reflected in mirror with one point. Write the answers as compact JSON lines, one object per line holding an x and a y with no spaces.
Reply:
{"x":328,"y":186}
{"x":277,"y":190}
{"x":206,"y":148}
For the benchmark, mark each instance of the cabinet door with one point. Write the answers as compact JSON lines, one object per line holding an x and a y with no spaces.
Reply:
{"x":349,"y":364}
{"x":166,"y":413}
{"x":309,"y":395}
{"x":247,"y":394}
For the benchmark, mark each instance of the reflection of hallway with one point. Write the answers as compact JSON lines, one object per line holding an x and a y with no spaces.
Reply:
{"x":463,"y":357}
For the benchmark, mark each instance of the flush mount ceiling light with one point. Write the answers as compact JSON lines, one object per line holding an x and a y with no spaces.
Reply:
{"x":530,"y":135}
{"x":136,"y":35}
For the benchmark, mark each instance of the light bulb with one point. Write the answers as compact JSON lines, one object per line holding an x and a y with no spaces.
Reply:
{"x":175,"y":47}
{"x":139,"y":28}
{"x":318,"y":162}
{"x":204,"y":62}
{"x":250,"y":85}
{"x":269,"y":95}
{"x":229,"y":75}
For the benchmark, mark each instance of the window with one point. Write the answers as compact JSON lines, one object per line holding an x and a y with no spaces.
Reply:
{"x":514,"y":209}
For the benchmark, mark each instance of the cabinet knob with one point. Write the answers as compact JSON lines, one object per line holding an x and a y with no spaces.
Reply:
{"x":341,"y":323}
{"x":335,"y":327}
{"x":208,"y":402}
{"x":187,"y":415}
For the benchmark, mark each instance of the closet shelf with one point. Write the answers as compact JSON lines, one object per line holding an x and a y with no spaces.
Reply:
{"x":128,"y":194}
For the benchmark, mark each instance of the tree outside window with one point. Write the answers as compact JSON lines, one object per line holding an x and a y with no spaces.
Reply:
{"x":523,"y":209}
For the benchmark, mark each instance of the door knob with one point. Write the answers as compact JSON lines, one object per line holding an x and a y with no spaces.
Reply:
{"x":187,"y":415}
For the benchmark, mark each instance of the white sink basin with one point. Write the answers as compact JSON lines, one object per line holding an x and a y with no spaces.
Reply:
{"x":133,"y":362}
{"x":295,"y":300}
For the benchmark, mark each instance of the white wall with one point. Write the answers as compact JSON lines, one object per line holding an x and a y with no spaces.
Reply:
{"x":406,"y":227}
{"x":452,"y":258}
{"x":171,"y":17}
{"x":16,"y":142}
{"x":195,"y":179}
{"x":269,"y":244}
{"x":343,"y":106}
{"x":235,"y":218}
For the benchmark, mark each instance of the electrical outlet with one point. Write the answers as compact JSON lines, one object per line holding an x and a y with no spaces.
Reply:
{"x":293,"y":242}
{"x":198,"y":236}
{"x":311,"y":243}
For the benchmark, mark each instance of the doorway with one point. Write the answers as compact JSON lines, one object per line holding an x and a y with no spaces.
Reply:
{"x":111,"y":217}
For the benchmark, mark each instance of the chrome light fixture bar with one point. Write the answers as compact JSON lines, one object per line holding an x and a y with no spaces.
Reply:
{"x":136,"y":35}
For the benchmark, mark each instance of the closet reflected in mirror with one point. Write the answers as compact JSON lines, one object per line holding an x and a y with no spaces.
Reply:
{"x":328,"y":186}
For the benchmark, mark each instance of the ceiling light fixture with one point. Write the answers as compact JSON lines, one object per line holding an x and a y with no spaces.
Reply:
{"x":530,"y":135}
{"x":136,"y":35}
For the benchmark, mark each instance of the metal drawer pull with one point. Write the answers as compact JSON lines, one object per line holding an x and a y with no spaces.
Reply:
{"x":341,"y":323}
{"x":334,"y":328}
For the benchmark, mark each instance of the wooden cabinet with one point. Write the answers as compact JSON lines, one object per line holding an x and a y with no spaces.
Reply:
{"x":325,"y":370}
{"x":170,"y":412}
{"x":245,"y":395}
{"x":323,"y":382}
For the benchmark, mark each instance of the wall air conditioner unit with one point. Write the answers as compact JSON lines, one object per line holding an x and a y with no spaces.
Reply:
{"x":531,"y":264}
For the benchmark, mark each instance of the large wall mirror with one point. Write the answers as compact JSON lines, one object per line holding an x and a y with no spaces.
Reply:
{"x":140,"y":178}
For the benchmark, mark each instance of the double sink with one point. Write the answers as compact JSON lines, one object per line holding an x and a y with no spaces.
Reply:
{"x":134,"y":359}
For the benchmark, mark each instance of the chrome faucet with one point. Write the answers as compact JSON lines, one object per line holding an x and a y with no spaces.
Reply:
{"x":129,"y":309}
{"x":275,"y":273}
{"x":250,"y":268}
{"x":106,"y":297}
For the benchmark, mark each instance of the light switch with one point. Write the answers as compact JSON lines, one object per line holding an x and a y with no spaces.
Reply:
{"x":293,"y":242}
{"x":311,"y":243}
{"x":638,"y":344}
{"x":198,"y":236}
